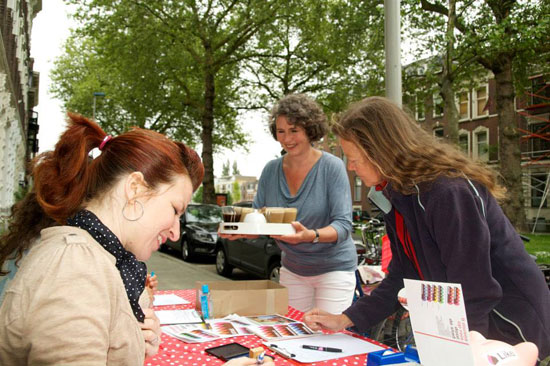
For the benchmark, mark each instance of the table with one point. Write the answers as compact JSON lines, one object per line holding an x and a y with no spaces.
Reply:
{"x":174,"y":352}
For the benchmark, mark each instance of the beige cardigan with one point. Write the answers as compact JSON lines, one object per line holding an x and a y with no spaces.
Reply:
{"x":67,"y":305}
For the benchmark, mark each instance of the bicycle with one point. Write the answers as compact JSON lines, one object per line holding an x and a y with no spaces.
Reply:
{"x":371,"y":241}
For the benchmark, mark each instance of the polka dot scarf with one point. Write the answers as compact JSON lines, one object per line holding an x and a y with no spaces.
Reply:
{"x":132,"y":271}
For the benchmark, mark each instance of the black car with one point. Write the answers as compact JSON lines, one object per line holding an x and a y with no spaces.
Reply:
{"x":260,"y":256}
{"x":199,"y":231}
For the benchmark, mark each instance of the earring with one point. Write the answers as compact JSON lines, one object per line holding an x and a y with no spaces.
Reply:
{"x":137,"y":218}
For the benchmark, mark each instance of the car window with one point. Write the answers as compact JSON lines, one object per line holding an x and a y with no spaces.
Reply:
{"x":204,"y":214}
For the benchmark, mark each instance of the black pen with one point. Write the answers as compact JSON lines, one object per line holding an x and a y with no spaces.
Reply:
{"x":319,"y":348}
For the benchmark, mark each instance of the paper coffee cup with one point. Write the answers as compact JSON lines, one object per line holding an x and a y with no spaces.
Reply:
{"x":290,"y":214}
{"x":274,"y":215}
{"x":245,"y":211}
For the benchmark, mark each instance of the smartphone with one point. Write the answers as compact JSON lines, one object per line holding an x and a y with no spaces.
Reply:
{"x":228,"y":351}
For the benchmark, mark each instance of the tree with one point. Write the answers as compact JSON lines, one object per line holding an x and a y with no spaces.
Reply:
{"x":501,"y":34}
{"x":332,"y":50}
{"x":198,"y":48}
{"x":236,"y":169}
{"x":225,"y":169}
{"x":236,"y":191}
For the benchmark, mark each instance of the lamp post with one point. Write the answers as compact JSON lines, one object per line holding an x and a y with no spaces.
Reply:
{"x":392,"y":41}
{"x":96,"y":94}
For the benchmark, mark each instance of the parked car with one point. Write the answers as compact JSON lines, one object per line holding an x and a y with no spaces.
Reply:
{"x":199,"y":231}
{"x":260,"y":256}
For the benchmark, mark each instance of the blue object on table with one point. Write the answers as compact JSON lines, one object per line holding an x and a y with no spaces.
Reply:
{"x":206,"y":302}
{"x":388,"y":357}
{"x":411,"y":353}
{"x":385,"y":357}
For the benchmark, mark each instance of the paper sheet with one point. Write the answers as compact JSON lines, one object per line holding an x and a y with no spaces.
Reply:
{"x":169,"y":299}
{"x":349,"y":345}
{"x":178,"y":316}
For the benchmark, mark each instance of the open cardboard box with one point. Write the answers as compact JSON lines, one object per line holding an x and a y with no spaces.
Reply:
{"x":245,"y":297}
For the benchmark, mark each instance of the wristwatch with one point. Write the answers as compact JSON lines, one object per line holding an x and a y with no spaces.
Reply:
{"x":316,"y":239}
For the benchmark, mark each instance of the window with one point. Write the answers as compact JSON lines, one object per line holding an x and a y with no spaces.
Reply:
{"x":357,"y":189}
{"x":464,"y":141}
{"x":481,"y":143}
{"x":540,"y":91}
{"x":538,"y":184}
{"x":539,"y":146}
{"x":420,"y":108}
{"x":438,"y":105}
{"x":481,"y":99}
{"x":438,"y":132}
{"x":463,"y":105}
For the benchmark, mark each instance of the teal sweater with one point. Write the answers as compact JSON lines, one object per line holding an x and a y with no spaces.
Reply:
{"x":323,"y":199}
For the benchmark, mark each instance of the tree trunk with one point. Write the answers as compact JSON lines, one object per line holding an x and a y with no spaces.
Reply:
{"x":450,"y":111}
{"x":510,"y":152}
{"x":209,"y":192}
{"x":447,"y":92}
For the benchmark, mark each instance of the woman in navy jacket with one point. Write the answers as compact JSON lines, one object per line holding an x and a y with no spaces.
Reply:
{"x":445,"y":225}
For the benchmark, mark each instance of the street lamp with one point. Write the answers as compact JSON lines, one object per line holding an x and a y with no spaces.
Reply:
{"x":96,"y":94}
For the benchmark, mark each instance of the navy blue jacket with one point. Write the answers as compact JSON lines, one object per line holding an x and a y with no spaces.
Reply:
{"x":463,"y":236}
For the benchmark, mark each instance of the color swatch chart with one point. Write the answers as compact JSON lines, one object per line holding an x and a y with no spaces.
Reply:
{"x":441,"y":294}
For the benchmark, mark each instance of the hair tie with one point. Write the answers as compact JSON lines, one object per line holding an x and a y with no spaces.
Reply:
{"x":105,"y":140}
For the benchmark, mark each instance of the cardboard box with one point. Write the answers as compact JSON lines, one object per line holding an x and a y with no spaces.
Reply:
{"x":245,"y":297}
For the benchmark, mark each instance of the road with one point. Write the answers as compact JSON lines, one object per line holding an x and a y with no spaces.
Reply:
{"x":175,"y":274}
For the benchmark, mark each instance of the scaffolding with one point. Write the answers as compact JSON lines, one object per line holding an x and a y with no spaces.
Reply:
{"x":535,"y":140}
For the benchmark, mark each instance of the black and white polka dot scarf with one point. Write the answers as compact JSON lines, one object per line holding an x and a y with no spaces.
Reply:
{"x":132,"y":271}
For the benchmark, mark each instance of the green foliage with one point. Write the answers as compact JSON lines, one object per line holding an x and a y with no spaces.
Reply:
{"x":236,"y":168}
{"x":21,"y":192}
{"x":332,"y":50}
{"x":236,"y":191}
{"x":539,"y":245}
{"x":229,"y":199}
{"x":225,"y":169}
{"x":197,"y":197}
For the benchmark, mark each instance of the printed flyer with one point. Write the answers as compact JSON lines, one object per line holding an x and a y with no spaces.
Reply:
{"x":438,"y":319}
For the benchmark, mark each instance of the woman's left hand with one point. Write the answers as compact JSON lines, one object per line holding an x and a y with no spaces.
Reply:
{"x":303,"y":235}
{"x":152,"y":282}
{"x":151,"y":332}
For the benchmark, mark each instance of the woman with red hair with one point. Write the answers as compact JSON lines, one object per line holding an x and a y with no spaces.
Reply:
{"x":80,"y":237}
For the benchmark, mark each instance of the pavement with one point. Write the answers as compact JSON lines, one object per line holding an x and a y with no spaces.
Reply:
{"x":175,"y":274}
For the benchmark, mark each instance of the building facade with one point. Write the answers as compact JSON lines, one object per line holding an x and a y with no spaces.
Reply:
{"x":18,"y":97}
{"x":248,"y":186}
{"x":479,"y":138}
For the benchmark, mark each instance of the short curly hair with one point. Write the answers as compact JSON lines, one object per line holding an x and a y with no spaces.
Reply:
{"x":300,"y":110}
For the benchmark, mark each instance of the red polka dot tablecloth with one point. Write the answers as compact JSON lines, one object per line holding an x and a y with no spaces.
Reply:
{"x":174,"y":352}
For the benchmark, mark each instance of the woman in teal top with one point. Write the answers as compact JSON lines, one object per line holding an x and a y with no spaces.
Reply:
{"x":319,"y":261}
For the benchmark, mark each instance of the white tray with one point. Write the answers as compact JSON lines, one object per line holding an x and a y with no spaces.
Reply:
{"x":256,"y":229}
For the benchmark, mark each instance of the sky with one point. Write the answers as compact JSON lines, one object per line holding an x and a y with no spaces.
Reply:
{"x":50,"y":29}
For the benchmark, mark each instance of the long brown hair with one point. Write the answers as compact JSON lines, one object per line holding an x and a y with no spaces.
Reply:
{"x":64,"y":179}
{"x":404,"y":153}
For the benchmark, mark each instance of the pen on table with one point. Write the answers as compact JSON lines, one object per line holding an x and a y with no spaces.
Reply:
{"x":281,"y":351}
{"x":319,"y":348}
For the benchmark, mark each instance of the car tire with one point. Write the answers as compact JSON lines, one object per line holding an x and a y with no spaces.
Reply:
{"x":186,"y":250}
{"x":222,"y":264}
{"x":273,"y":272}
